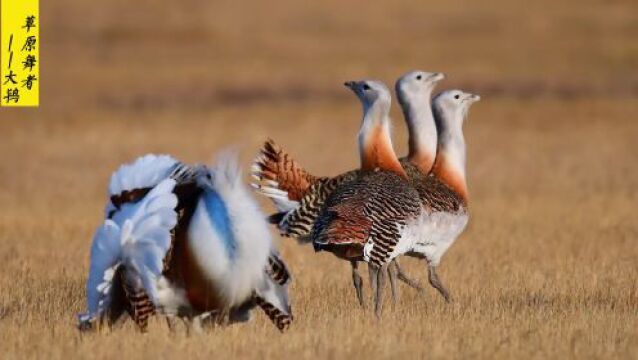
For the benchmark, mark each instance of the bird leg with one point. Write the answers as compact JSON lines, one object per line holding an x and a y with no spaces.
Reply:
{"x":195,"y":325}
{"x":403,"y":277}
{"x":436,"y":282}
{"x":170,"y":322}
{"x":215,"y":318}
{"x":372,"y":273}
{"x":378,"y":308}
{"x":392,"y":274}
{"x":194,"y":322}
{"x":358,"y":282}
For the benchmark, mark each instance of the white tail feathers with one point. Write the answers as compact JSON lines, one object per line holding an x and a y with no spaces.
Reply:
{"x":226,"y":173}
{"x":146,"y":237}
{"x":146,"y":171}
{"x":138,"y":239}
{"x":228,"y":234}
{"x":104,"y":262}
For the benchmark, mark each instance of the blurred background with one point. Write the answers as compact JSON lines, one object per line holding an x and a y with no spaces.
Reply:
{"x":119,"y":79}
{"x":201,"y":55}
{"x":552,"y":156}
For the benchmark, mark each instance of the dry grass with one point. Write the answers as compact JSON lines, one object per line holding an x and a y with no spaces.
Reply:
{"x":547,"y":268}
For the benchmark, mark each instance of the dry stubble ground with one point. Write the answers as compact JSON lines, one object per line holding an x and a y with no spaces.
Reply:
{"x":548,"y":266}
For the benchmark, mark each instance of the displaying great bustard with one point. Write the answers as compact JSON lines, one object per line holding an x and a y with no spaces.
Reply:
{"x":183,"y":241}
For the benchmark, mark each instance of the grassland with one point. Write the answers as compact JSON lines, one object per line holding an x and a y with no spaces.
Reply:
{"x":547,"y":268}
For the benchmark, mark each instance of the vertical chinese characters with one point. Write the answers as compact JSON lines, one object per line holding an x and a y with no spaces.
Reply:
{"x":20,"y":53}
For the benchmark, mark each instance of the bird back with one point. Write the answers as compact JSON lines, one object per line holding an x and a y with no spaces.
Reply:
{"x":369,"y":211}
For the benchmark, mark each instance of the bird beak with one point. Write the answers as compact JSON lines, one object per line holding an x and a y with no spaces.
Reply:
{"x":350,"y":84}
{"x":436,"y":77}
{"x":473,"y":98}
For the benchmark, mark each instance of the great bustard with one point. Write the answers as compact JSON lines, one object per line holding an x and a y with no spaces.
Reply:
{"x":442,"y":193}
{"x":414,"y":95}
{"x":414,"y":92}
{"x":185,"y":242}
{"x":363,"y":217}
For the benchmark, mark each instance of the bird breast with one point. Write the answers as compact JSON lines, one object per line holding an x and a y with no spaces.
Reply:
{"x":431,"y":234}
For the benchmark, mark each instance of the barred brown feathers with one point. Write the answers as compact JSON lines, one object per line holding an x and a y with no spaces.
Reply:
{"x":140,"y":305}
{"x":281,"y":320}
{"x":298,"y":222}
{"x":435,"y":195}
{"x":277,"y":269}
{"x":299,"y":196}
{"x":273,"y":164}
{"x":372,"y":209}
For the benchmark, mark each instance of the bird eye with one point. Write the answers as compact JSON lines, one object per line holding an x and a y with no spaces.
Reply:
{"x":418,"y":77}
{"x":457,"y":96}
{"x":366,"y":87}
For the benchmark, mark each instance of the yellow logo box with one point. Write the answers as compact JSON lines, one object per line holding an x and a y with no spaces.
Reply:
{"x":20,"y":56}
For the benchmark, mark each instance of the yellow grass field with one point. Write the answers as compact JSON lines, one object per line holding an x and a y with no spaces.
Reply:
{"x":548,"y":267}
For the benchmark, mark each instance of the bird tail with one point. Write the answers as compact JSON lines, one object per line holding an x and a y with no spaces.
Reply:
{"x":144,"y":172}
{"x":230,"y":207}
{"x":226,"y":172}
{"x":278,"y":176}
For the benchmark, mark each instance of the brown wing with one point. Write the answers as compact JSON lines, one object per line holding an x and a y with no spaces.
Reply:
{"x":298,"y":223}
{"x":274,"y":164}
{"x":435,"y":195}
{"x":348,"y":224}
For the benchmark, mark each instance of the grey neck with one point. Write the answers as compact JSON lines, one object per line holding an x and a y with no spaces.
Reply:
{"x":422,"y":132}
{"x":374,"y":115}
{"x":451,"y":142}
